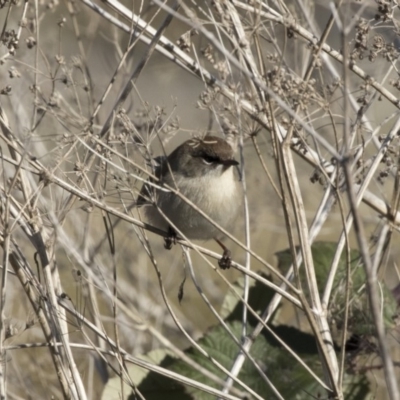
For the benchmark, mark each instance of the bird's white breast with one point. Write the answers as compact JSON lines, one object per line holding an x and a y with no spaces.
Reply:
{"x":216,"y":194}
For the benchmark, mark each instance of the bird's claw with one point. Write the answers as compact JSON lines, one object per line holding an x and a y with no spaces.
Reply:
{"x":170,"y":240}
{"x":225,"y":261}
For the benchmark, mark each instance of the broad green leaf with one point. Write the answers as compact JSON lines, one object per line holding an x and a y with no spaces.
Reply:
{"x":259,"y":297}
{"x":360,"y":319}
{"x":271,"y":359}
{"x":112,"y":390}
{"x":288,"y":376}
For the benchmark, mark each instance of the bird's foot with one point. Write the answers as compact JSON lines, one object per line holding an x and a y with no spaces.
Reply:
{"x":225,"y":261}
{"x":170,"y":240}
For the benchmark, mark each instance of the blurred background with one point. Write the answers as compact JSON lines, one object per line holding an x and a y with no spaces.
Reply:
{"x":63,"y":67}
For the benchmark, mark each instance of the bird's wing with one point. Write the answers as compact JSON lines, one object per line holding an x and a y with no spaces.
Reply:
{"x":147,"y":191}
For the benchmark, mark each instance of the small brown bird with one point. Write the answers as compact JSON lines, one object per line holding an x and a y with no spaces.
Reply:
{"x":201,"y":170}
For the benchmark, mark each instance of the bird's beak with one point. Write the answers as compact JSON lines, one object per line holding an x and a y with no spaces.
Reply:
{"x":229,"y":163}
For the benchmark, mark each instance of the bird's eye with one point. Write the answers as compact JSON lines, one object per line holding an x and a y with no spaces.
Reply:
{"x":207,"y":159}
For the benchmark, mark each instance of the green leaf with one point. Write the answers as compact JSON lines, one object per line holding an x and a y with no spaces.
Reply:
{"x":259,"y":296}
{"x":360,"y":319}
{"x":271,"y":359}
{"x":287,"y":375}
{"x":300,"y":342}
{"x":156,"y":386}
